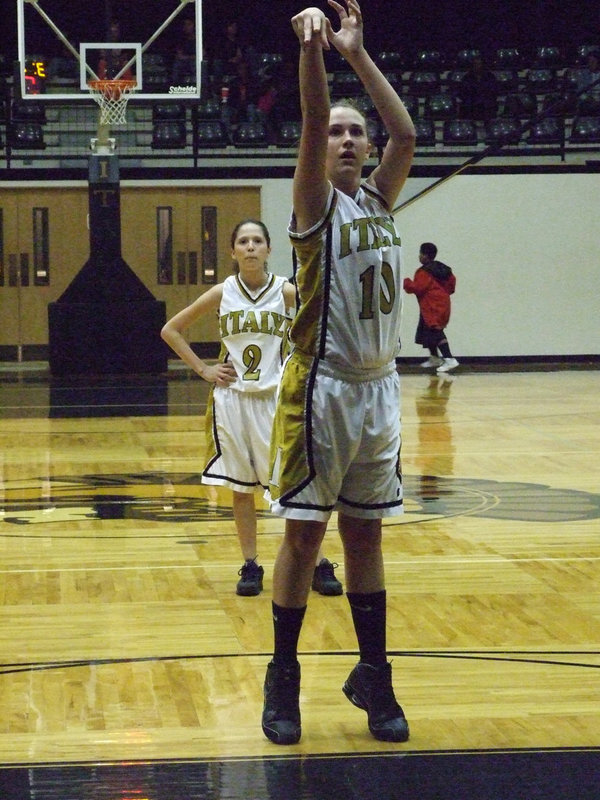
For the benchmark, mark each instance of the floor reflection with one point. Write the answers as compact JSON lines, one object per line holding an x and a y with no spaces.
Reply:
{"x":35,"y":393}
{"x":490,"y":775}
{"x":436,"y":451}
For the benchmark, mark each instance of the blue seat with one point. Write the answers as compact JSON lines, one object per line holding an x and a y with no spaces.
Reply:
{"x":425,"y":130}
{"x":588,"y":105}
{"x":423,"y":82}
{"x":364,"y":104}
{"x":541,"y":80}
{"x":429,"y":60}
{"x":549,"y":130}
{"x":27,"y":136}
{"x":168,"y":111}
{"x":585,"y":130}
{"x":288,"y":134}
{"x":549,"y":56}
{"x":390,"y":59}
{"x":520,"y":104}
{"x":211,"y":133}
{"x":169,"y":134}
{"x":28,"y":111}
{"x":210,"y":108}
{"x":346,"y":84}
{"x":440,"y":106}
{"x":412,"y":105}
{"x":250,"y":134}
{"x":507,"y":80}
{"x":466,"y":56}
{"x":560,"y":104}
{"x":460,"y":132}
{"x":508,"y":58}
{"x":503,"y":130}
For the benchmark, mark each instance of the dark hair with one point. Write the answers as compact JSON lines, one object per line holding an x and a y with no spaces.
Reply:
{"x":428,"y":249}
{"x":260,"y":224}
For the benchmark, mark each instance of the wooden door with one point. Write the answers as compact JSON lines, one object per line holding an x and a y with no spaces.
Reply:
{"x":11,"y":259}
{"x":45,"y":244}
{"x":177,"y":240}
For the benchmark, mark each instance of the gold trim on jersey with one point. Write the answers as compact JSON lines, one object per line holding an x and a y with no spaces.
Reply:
{"x":212,"y":443}
{"x":291,"y":445}
{"x":246,"y":291}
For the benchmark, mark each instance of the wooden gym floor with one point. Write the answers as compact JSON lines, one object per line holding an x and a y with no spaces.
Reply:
{"x":131,"y":669}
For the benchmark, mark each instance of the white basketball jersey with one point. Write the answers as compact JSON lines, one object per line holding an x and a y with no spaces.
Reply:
{"x":350,"y":284}
{"x":253,"y":332}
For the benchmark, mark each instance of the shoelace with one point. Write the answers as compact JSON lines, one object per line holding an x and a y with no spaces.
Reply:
{"x":328,"y":570}
{"x":248,"y":568}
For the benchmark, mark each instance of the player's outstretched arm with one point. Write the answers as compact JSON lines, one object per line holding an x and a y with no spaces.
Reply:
{"x":389,"y":176}
{"x":311,"y":188}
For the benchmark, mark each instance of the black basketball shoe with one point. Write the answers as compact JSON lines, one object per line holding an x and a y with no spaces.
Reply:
{"x":281,"y":712}
{"x":370,"y":688}
{"x":324,"y":580}
{"x":251,"y":579}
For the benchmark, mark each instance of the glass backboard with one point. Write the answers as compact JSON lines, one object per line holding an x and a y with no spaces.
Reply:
{"x":158,"y":45}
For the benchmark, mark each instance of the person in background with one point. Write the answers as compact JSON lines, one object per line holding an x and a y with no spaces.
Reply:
{"x":113,"y":61}
{"x":254,"y":308}
{"x":478,"y":92}
{"x":336,"y":436}
{"x":433,"y":284}
{"x":184,"y":62}
{"x":589,"y":76}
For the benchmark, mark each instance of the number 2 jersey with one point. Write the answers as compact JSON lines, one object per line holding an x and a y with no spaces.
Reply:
{"x":348,"y":277}
{"x":253,"y":329}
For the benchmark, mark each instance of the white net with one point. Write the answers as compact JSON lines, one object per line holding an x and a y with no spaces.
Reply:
{"x":112,"y":97}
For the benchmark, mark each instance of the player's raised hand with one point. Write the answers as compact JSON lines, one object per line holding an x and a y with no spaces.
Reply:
{"x":312,"y":25}
{"x":349,"y":38}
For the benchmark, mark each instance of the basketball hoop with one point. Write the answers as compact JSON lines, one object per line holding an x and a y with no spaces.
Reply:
{"x":112,"y":97}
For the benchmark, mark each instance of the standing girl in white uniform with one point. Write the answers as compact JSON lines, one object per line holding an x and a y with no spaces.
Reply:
{"x":254,"y":308}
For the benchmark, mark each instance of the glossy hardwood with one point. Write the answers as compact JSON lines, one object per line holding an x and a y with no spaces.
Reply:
{"x":122,"y":637}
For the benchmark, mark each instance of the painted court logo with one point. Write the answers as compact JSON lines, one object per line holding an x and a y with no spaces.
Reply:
{"x":181,"y":498}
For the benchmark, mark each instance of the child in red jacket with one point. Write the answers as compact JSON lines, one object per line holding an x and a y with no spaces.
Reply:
{"x":433,"y":284}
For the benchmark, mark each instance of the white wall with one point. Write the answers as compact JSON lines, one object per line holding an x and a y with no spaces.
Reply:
{"x":525,"y":250}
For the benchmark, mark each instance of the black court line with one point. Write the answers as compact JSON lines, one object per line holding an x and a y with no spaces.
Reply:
{"x":512,"y":656}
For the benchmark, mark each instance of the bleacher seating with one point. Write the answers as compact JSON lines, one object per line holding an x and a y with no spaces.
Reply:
{"x":211,"y":133}
{"x":390,"y":59}
{"x":250,"y":134}
{"x":346,"y":84}
{"x":425,"y":130}
{"x":460,"y":132}
{"x":519,"y":104}
{"x":502,"y":130}
{"x":440,"y":106}
{"x":507,"y":80}
{"x":559,"y":104}
{"x":540,"y":103}
{"x":549,"y":130}
{"x":289,"y":132}
{"x":549,"y":56}
{"x":541,"y":80}
{"x":423,"y":82}
{"x":588,"y":105}
{"x":429,"y":60}
{"x":465,"y":57}
{"x":585,"y":130}
{"x":508,"y":58}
